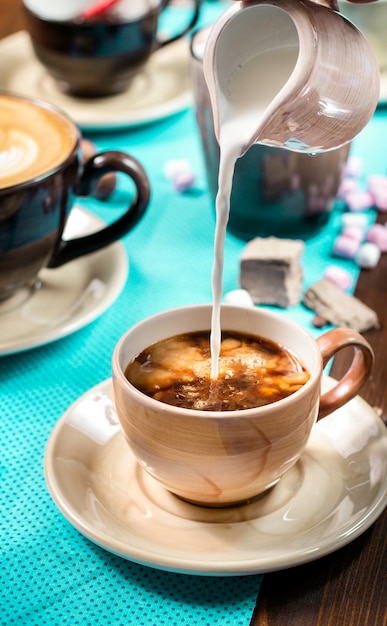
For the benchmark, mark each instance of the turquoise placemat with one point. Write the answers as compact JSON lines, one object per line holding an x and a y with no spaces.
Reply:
{"x":49,"y":573}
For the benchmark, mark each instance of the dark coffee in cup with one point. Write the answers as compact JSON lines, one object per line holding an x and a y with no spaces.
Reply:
{"x":41,"y":173}
{"x":253,"y":371}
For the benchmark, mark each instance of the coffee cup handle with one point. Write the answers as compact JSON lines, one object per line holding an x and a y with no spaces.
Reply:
{"x":100,"y":164}
{"x":195,"y":16}
{"x":358,"y":371}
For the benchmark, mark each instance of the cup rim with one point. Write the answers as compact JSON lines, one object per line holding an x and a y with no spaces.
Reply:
{"x":81,"y":23}
{"x":162,"y":407}
{"x":43,"y":104}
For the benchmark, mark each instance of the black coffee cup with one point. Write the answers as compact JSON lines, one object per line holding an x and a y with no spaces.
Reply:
{"x":97,"y":56}
{"x":41,"y":175}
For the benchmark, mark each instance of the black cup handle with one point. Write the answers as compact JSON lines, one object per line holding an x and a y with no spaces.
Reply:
{"x":164,"y":42}
{"x":94,"y":168}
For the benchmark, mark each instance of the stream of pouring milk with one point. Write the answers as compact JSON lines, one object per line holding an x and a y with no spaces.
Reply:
{"x":252,"y":87}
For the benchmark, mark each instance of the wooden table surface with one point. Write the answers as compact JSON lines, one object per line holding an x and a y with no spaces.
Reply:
{"x":348,"y":587}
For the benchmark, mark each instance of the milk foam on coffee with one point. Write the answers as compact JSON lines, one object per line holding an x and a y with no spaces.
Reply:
{"x":252,"y":87}
{"x":33,"y":140}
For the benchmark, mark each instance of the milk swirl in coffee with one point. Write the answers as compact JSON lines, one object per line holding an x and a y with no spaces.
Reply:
{"x":253,"y":371}
{"x":32,"y":140}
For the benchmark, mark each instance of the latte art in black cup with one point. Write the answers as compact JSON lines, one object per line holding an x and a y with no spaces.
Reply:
{"x":32,"y":140}
{"x":253,"y":372}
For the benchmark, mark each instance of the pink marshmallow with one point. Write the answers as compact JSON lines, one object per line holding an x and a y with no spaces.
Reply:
{"x":338,"y":276}
{"x":377,"y":186}
{"x":377,"y":234}
{"x":381,"y":202}
{"x":347,"y":185}
{"x":345,"y":247}
{"x":353,"y":232}
{"x":354,"y":166}
{"x":359,"y":200}
{"x":183,"y":181}
{"x":376,"y":181}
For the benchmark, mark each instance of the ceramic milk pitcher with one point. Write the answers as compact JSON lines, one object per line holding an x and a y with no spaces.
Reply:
{"x":274,"y":191}
{"x":289,"y":73}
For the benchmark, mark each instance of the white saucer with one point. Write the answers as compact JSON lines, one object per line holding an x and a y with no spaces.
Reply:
{"x":161,"y":89}
{"x":330,"y":497}
{"x":68,"y":298}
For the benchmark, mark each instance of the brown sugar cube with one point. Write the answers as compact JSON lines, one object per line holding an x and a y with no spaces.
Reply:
{"x":271,"y":270}
{"x":339,"y":308}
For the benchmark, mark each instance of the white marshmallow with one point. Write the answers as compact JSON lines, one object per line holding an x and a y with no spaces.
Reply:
{"x":239,"y":297}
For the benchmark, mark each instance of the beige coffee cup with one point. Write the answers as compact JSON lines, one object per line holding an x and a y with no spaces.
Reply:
{"x":223,"y":458}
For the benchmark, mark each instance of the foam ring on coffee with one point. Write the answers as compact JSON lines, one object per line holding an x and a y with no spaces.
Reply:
{"x":24,"y":151}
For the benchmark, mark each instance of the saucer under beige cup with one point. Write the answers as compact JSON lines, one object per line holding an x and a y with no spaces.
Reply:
{"x":217,"y":458}
{"x":341,"y":476}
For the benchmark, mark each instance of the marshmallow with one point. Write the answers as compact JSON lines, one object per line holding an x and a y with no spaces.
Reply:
{"x":183,"y":181}
{"x":339,"y":276}
{"x":239,"y":297}
{"x":175,"y":167}
{"x":179,"y":172}
{"x":347,"y":185}
{"x":354,"y":219}
{"x":377,"y":186}
{"x":353,"y":232}
{"x":368,"y":255}
{"x":345,"y":247}
{"x":359,"y":200}
{"x":377,"y":234}
{"x":354,"y":167}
